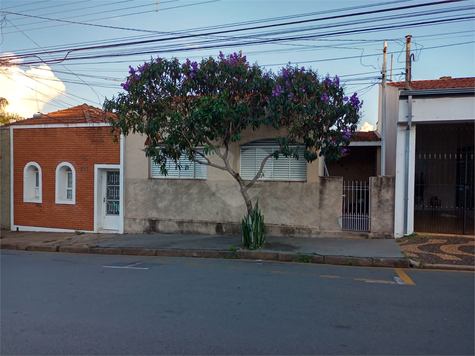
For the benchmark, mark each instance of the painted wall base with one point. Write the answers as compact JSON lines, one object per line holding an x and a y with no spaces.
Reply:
{"x":151,"y":226}
{"x":51,"y":229}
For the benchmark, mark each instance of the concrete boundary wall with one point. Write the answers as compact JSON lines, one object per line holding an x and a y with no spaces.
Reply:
{"x":199,"y":206}
{"x":382,"y":206}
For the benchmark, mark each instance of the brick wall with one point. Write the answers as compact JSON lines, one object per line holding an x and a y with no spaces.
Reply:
{"x":83,"y":148}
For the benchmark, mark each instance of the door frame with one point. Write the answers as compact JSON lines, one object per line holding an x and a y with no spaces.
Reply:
{"x":98,"y":186}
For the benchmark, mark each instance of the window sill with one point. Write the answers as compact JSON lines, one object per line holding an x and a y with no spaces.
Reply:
{"x":66,"y":202}
{"x":38,"y":201}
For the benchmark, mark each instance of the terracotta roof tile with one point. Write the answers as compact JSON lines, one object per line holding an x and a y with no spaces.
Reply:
{"x":443,"y":83}
{"x":80,"y":114}
{"x":367,"y":136}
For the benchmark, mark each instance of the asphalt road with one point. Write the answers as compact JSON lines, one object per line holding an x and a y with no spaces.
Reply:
{"x":55,"y":304}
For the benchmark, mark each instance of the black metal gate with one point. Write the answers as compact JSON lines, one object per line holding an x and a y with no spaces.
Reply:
{"x":356,"y":206}
{"x":444,"y":179}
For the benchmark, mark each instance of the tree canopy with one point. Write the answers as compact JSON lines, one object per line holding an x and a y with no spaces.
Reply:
{"x":181,"y":107}
{"x":6,"y":117}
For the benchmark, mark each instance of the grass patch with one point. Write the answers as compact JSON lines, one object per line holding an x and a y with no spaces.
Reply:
{"x":79,"y":232}
{"x":57,"y":248}
{"x":46,"y":241}
{"x":303,"y":258}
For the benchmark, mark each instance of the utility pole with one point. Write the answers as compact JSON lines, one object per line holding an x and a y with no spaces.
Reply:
{"x":383,"y":111}
{"x":407,"y":86}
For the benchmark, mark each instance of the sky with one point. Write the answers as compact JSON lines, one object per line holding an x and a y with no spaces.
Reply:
{"x":45,"y":63}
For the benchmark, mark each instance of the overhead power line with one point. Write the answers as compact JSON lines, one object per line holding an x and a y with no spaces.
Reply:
{"x":334,"y":17}
{"x":256,"y":42}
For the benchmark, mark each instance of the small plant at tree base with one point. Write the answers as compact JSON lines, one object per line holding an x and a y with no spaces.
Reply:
{"x":253,"y":231}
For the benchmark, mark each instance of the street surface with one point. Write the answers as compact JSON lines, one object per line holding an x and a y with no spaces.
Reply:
{"x":56,"y":304}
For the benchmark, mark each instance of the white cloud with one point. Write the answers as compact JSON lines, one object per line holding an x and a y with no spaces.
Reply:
{"x":28,"y":91}
{"x":366,"y":127}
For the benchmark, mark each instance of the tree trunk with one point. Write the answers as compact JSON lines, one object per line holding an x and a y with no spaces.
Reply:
{"x":247,"y":199}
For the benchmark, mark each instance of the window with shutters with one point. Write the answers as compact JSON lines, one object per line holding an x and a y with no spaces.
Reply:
{"x":194,"y":171}
{"x":65,"y":183}
{"x":283,"y":168}
{"x":32,"y":183}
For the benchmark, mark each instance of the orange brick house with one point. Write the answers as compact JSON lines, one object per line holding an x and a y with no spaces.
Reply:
{"x":66,"y":173}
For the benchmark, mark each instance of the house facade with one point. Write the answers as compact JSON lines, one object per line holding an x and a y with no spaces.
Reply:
{"x":295,"y":197}
{"x":65,"y":173}
{"x":430,"y":150}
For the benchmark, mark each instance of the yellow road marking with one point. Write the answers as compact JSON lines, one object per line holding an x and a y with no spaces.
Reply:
{"x":405,"y":278}
{"x":328,"y":276}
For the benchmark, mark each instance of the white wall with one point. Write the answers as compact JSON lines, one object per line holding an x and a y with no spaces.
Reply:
{"x":438,"y":109}
{"x":401,"y":180}
{"x":392,"y":112}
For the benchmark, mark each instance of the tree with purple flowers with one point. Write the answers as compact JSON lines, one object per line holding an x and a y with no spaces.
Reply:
{"x":182,"y":107}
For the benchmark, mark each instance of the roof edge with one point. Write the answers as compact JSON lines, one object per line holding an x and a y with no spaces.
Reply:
{"x":445,"y":91}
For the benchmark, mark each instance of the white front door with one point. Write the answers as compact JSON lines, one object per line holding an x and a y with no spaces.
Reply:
{"x":111,"y":199}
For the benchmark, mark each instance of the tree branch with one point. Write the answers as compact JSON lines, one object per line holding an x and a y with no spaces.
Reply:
{"x":259,"y":172}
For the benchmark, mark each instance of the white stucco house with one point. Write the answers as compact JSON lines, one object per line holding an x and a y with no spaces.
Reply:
{"x":429,"y":145}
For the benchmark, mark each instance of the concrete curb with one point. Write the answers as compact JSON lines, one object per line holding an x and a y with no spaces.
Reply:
{"x":419,"y":265}
{"x":239,"y":254}
{"x":449,"y":267}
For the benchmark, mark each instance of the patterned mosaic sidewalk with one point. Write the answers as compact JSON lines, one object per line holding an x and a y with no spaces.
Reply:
{"x":440,"y":249}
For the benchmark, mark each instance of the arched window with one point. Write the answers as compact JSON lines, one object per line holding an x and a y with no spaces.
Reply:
{"x":32,"y":187}
{"x":65,"y":184}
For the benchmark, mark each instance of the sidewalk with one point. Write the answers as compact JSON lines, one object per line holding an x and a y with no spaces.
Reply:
{"x":339,"y":251}
{"x":335,"y":251}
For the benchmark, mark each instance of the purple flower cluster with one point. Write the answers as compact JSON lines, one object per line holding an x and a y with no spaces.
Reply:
{"x":302,"y":69}
{"x":277,"y":91}
{"x":141,"y":69}
{"x":187,"y":63}
{"x":336,"y":80}
{"x":285,"y":73}
{"x":343,"y":150}
{"x":355,"y":102}
{"x":131,"y":70}
{"x":325,"y":97}
{"x":233,"y":59}
{"x":328,"y":80}
{"x":347,"y":134}
{"x":125,"y":85}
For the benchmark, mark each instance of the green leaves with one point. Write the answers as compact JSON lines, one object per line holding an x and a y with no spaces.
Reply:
{"x":253,"y":230}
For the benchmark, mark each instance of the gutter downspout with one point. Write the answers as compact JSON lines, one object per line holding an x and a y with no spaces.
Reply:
{"x":121,"y":182}
{"x":406,"y":163}
{"x":383,"y":113}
